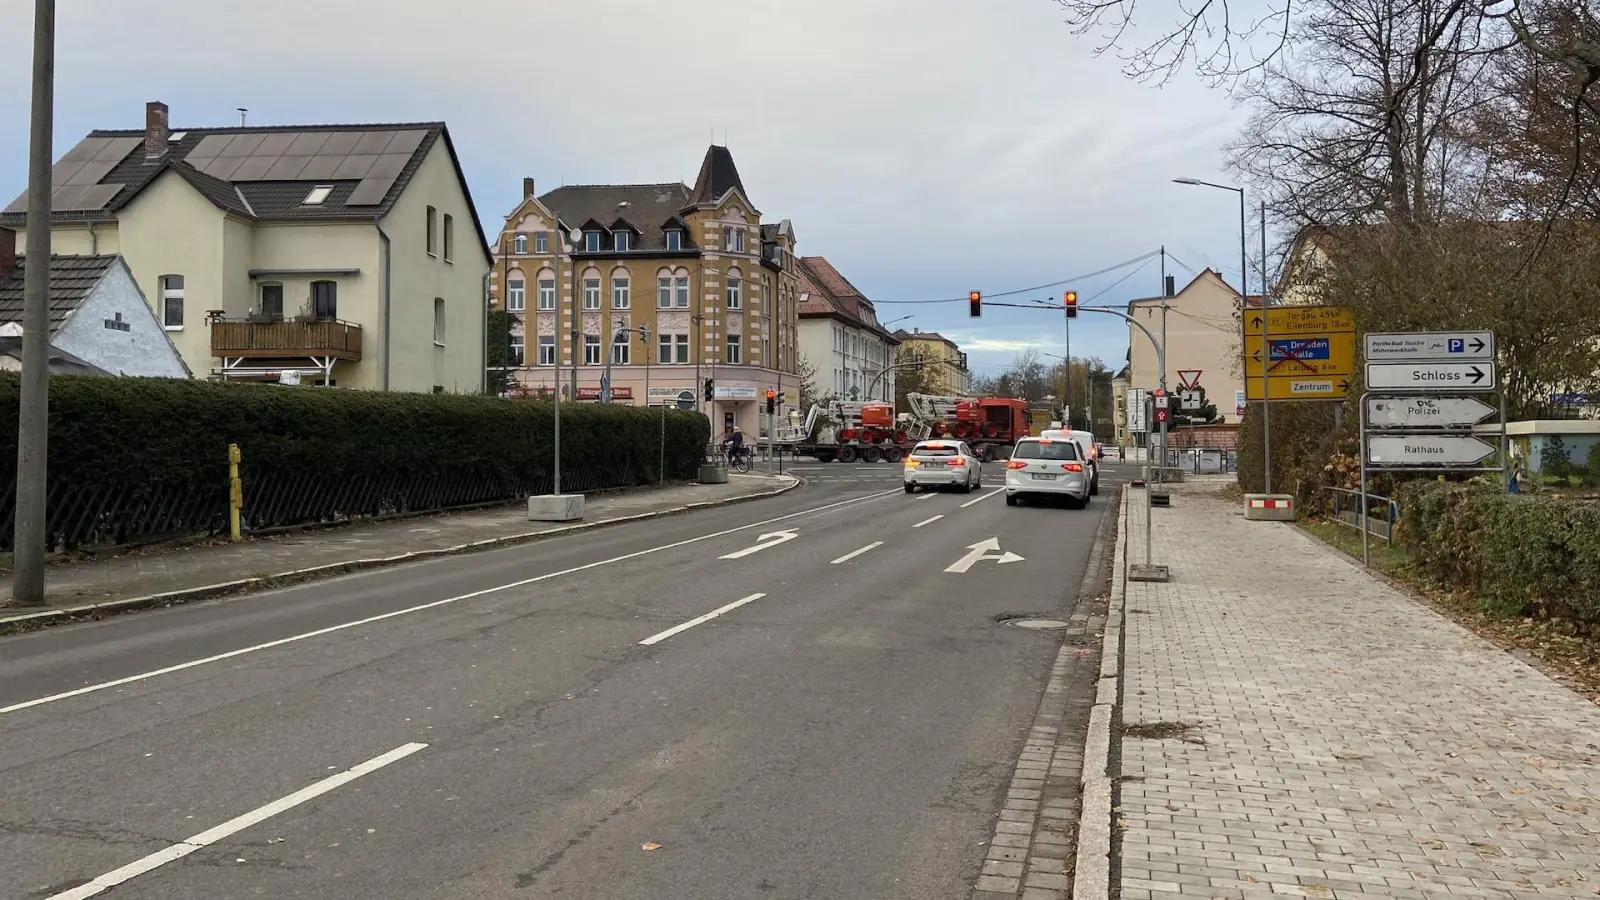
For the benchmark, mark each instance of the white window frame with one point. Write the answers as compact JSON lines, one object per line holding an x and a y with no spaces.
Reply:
{"x":591,"y":242}
{"x":735,"y":294}
{"x":591,"y":293}
{"x":519,"y":244}
{"x":663,"y":292}
{"x":547,"y":294}
{"x":738,"y":240}
{"x":449,"y":238}
{"x":433,"y":231}
{"x":682,"y":343}
{"x":438,"y":321}
{"x":592,"y":342}
{"x":674,"y":239}
{"x":680,"y":290}
{"x":541,"y":242}
{"x":621,"y":292}
{"x":621,"y":350}
{"x":518,"y":347}
{"x":733,"y":350}
{"x":169,"y":293}
{"x":547,"y":342}
{"x":516,"y":295}
{"x":621,"y":241}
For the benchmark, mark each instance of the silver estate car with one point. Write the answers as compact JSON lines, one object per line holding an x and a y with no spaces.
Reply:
{"x":947,"y":463}
{"x":1056,"y":466}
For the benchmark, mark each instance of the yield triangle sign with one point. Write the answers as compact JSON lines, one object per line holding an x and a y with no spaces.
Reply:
{"x":1189,"y":378}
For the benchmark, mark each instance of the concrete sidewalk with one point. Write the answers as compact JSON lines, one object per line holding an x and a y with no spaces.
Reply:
{"x":160,"y":574}
{"x":1291,"y":725}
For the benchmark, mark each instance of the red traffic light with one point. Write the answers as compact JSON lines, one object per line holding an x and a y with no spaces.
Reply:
{"x":1070,"y":301}
{"x":772,"y":394}
{"x":975,"y":304}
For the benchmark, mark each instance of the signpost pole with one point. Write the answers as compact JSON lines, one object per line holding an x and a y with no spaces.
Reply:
{"x":1361,"y":508}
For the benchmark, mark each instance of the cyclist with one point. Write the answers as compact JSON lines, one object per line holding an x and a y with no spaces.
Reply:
{"x":736,"y":447}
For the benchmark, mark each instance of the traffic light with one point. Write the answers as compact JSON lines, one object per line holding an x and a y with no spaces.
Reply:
{"x":975,"y":304}
{"x":1071,"y":302}
{"x":772,"y":401}
{"x":711,"y":392}
{"x":644,"y":334}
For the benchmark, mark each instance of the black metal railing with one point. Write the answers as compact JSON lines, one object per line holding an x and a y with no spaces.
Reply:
{"x":84,"y":519}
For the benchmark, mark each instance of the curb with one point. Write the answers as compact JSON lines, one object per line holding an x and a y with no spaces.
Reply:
{"x":1092,"y":880}
{"x":44,"y":618}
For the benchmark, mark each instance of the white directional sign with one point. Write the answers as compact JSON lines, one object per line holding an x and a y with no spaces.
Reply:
{"x":982,"y":550}
{"x":1426,"y":412}
{"x":1470,"y":377}
{"x":764,"y":542}
{"x":1438,"y":345}
{"x":1438,"y":450}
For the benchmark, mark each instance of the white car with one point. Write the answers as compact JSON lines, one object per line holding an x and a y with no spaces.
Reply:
{"x":1055,"y":466}
{"x":947,"y":463}
{"x":1091,"y":449}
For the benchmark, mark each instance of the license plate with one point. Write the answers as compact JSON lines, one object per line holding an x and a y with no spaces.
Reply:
{"x":1042,"y":477}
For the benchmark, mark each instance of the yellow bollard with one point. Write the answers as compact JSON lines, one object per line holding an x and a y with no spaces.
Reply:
{"x":235,"y":492}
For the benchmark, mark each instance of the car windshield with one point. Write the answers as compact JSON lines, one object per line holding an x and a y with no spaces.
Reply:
{"x":1046,"y":450}
{"x":936,"y":450}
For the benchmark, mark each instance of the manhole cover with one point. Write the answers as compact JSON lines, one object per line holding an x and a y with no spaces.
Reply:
{"x":1037,"y":623}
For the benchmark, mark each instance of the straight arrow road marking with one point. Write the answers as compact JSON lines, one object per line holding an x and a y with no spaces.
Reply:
{"x":980,"y":551}
{"x":771,"y":539}
{"x":855,"y":553}
{"x":233,"y":826}
{"x":928,"y":521}
{"x":699,"y":620}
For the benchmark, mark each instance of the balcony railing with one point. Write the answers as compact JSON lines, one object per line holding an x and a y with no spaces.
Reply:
{"x":288,"y":338}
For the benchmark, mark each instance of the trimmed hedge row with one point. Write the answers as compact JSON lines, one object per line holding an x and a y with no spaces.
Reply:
{"x":134,"y":459}
{"x":1519,"y":554}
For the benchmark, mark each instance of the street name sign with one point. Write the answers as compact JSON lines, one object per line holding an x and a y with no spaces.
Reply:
{"x":1428,"y":376}
{"x":1426,"y":412}
{"x":1300,"y":321}
{"x":1427,"y":450}
{"x":1454,"y":346}
{"x":1288,"y":387}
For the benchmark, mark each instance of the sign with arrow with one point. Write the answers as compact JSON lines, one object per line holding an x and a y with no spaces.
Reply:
{"x":1289,"y":387}
{"x":1300,"y":321}
{"x":764,"y":542}
{"x":1189,"y":378}
{"x":1427,"y":377}
{"x":1308,"y":352}
{"x":1455,"y":346}
{"x":1427,"y":450}
{"x":1426,"y":412}
{"x":986,"y":549}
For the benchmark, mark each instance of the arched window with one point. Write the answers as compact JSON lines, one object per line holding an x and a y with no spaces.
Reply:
{"x":621,"y":288}
{"x":680,"y":287}
{"x":547,"y":290}
{"x":663,"y":289}
{"x":591,"y":288}
{"x":519,"y":244}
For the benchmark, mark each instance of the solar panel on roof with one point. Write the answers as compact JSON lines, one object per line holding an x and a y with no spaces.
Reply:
{"x":86,"y":149}
{"x":93,"y":171}
{"x":222,"y":167}
{"x":340,"y":143}
{"x":307,"y":144}
{"x":210,"y":146}
{"x":373,"y":142}
{"x":19,"y":205}
{"x":66,"y":196}
{"x":354,"y":166}
{"x":61,"y":171}
{"x":275,"y":144}
{"x":370,"y":192}
{"x":118,"y":148}
{"x":287,"y":168}
{"x":242,"y":145}
{"x":253,"y":168}
{"x":388,"y":165}
{"x":405,"y":142}
{"x":96,"y":197}
{"x":321,"y":167}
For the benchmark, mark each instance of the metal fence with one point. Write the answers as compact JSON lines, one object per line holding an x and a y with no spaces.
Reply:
{"x":82,"y":518}
{"x":1347,"y":510}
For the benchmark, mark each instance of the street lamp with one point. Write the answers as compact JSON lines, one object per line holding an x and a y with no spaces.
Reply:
{"x":573,"y":239}
{"x":901,"y":319}
{"x":1244,"y":309}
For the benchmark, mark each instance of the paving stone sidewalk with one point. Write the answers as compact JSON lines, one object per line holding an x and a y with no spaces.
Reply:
{"x":1346,"y":741}
{"x":159,"y":570}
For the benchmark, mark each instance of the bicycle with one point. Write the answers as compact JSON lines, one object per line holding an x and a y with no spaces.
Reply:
{"x":739,"y":461}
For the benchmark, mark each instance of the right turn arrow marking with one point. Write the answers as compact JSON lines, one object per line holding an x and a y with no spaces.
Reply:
{"x":982,"y":550}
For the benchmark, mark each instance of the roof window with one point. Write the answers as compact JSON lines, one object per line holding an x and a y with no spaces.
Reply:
{"x":318,"y":194}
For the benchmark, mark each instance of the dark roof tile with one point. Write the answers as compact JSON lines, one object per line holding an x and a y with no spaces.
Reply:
{"x":650,"y":207}
{"x":72,"y":279}
{"x":717,"y":176}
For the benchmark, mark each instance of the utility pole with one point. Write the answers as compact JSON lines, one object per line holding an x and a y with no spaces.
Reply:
{"x":1160,"y":471}
{"x":33,"y":419}
{"x":1266,"y":359}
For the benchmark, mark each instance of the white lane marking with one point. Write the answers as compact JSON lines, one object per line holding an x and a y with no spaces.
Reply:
{"x":763,"y":542}
{"x":928,"y":521}
{"x":982,"y":551}
{"x":92,"y":688}
{"x":983,"y":498}
{"x":928,"y":496}
{"x":855,"y":553}
{"x":699,"y":620}
{"x":233,"y":826}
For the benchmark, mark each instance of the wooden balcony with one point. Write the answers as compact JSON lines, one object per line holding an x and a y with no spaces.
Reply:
{"x":288,"y":338}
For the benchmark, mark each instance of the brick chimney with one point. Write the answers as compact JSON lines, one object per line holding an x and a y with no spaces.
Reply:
{"x":527,"y":188}
{"x":156,"y":131}
{"x":8,"y":251}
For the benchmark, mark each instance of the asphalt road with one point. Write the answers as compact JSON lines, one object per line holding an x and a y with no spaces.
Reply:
{"x":532,"y":718}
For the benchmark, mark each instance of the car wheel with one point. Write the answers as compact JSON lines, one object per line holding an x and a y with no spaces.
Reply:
{"x":1011,"y":499}
{"x":1094,"y":487}
{"x":911,"y":488}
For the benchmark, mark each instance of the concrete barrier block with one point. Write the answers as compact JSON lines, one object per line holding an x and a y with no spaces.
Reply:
{"x":711,"y":474}
{"x":1269,"y":507}
{"x":555,"y":508}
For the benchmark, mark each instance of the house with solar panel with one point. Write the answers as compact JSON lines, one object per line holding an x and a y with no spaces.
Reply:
{"x":338,"y":255}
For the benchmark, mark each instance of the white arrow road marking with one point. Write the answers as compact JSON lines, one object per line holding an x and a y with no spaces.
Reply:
{"x":855,"y":553}
{"x":981,"y":551}
{"x":766,"y":540}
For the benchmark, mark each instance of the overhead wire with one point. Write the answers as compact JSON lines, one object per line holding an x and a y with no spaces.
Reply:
{"x":1028,"y":290}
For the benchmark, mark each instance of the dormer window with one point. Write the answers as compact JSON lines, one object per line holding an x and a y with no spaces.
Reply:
{"x":621,"y":240}
{"x":591,"y":241}
{"x":317,"y":195}
{"x":674,"y":239}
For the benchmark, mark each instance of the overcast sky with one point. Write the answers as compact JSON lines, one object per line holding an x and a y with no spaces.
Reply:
{"x":926,"y":147}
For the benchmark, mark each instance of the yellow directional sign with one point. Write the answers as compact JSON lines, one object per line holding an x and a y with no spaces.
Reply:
{"x":1288,"y":387}
{"x":1316,"y":356}
{"x":1298,"y":321}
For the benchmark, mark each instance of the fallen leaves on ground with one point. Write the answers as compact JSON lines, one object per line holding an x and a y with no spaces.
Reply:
{"x":650,"y":845}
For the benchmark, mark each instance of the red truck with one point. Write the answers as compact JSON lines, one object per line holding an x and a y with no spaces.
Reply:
{"x":847,"y":430}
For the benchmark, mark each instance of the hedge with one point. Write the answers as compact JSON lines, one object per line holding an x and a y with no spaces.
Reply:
{"x":1519,"y":554}
{"x":134,"y":459}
